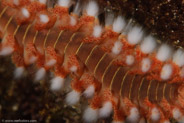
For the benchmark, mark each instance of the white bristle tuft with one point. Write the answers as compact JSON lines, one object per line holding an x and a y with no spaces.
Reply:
{"x":109,"y":19}
{"x":64,"y":3}
{"x":90,"y":115}
{"x":57,"y":83}
{"x":182,"y":72}
{"x":116,"y":49}
{"x":134,"y":115}
{"x":16,"y":2}
{"x":40,"y":74}
{"x":97,"y":31}
{"x":32,"y":59}
{"x":166,"y":72}
{"x":129,"y":59}
{"x":43,"y":1}
{"x":73,"y":68}
{"x":135,"y":35}
{"x":89,"y":92}
{"x":178,"y":57}
{"x":146,"y":64}
{"x":148,"y":45}
{"x":73,"y":97}
{"x":155,"y":114}
{"x":118,"y":24}
{"x":44,"y":18}
{"x":51,"y":63}
{"x":106,"y":110}
{"x":164,"y":53}
{"x":19,"y":71}
{"x":73,"y":21}
{"x":6,"y":51}
{"x":92,"y":8}
{"x":77,"y":9}
{"x":25,"y":12}
{"x":176,"y":113}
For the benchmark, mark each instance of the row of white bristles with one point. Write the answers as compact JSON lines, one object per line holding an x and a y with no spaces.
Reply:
{"x":134,"y":36}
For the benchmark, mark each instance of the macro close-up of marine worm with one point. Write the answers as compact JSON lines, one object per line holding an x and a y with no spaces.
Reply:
{"x":90,"y":55}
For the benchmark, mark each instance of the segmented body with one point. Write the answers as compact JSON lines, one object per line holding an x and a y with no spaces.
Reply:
{"x":132,"y":93}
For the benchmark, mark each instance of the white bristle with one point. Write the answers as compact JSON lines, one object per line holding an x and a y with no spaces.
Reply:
{"x":178,"y":57}
{"x":134,"y":115}
{"x":32,"y":59}
{"x":44,"y":18}
{"x":77,"y":9}
{"x":97,"y":31}
{"x":40,"y":74}
{"x":155,"y":114}
{"x":146,"y":64}
{"x":164,"y":53}
{"x":51,"y":63}
{"x":57,"y":83}
{"x":182,"y":72}
{"x":43,"y":1}
{"x":148,"y":45}
{"x":73,"y":68}
{"x":89,"y":92}
{"x":135,"y":35}
{"x":73,"y":97}
{"x":116,"y":49}
{"x":176,"y":113}
{"x":166,"y":72}
{"x":109,"y":19}
{"x":64,"y":3}
{"x":6,"y":51}
{"x":25,"y":12}
{"x":129,"y":59}
{"x":73,"y":21}
{"x":16,"y":2}
{"x":90,"y":115}
{"x":106,"y":110}
{"x":118,"y":24}
{"x":92,"y":8}
{"x":19,"y":72}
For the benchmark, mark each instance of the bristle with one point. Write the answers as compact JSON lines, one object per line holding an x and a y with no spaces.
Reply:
{"x":90,"y":115}
{"x":25,"y":12}
{"x":18,"y":73}
{"x":6,"y":51}
{"x":92,"y":8}
{"x":51,"y":63}
{"x":40,"y":74}
{"x":32,"y":59}
{"x":146,"y":64}
{"x":119,"y":24}
{"x":178,"y":57}
{"x":176,"y":113}
{"x":73,"y":21}
{"x":57,"y":83}
{"x":109,"y":19}
{"x":16,"y":2}
{"x":89,"y":92}
{"x":134,"y":115}
{"x":97,"y":31}
{"x":135,"y":35}
{"x":43,"y":1}
{"x":117,"y":47}
{"x":129,"y":59}
{"x":73,"y":68}
{"x":64,"y":3}
{"x":148,"y":45}
{"x":106,"y":110}
{"x":166,"y":72}
{"x":44,"y":18}
{"x":164,"y":53}
{"x":155,"y":114}
{"x":72,"y":97}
